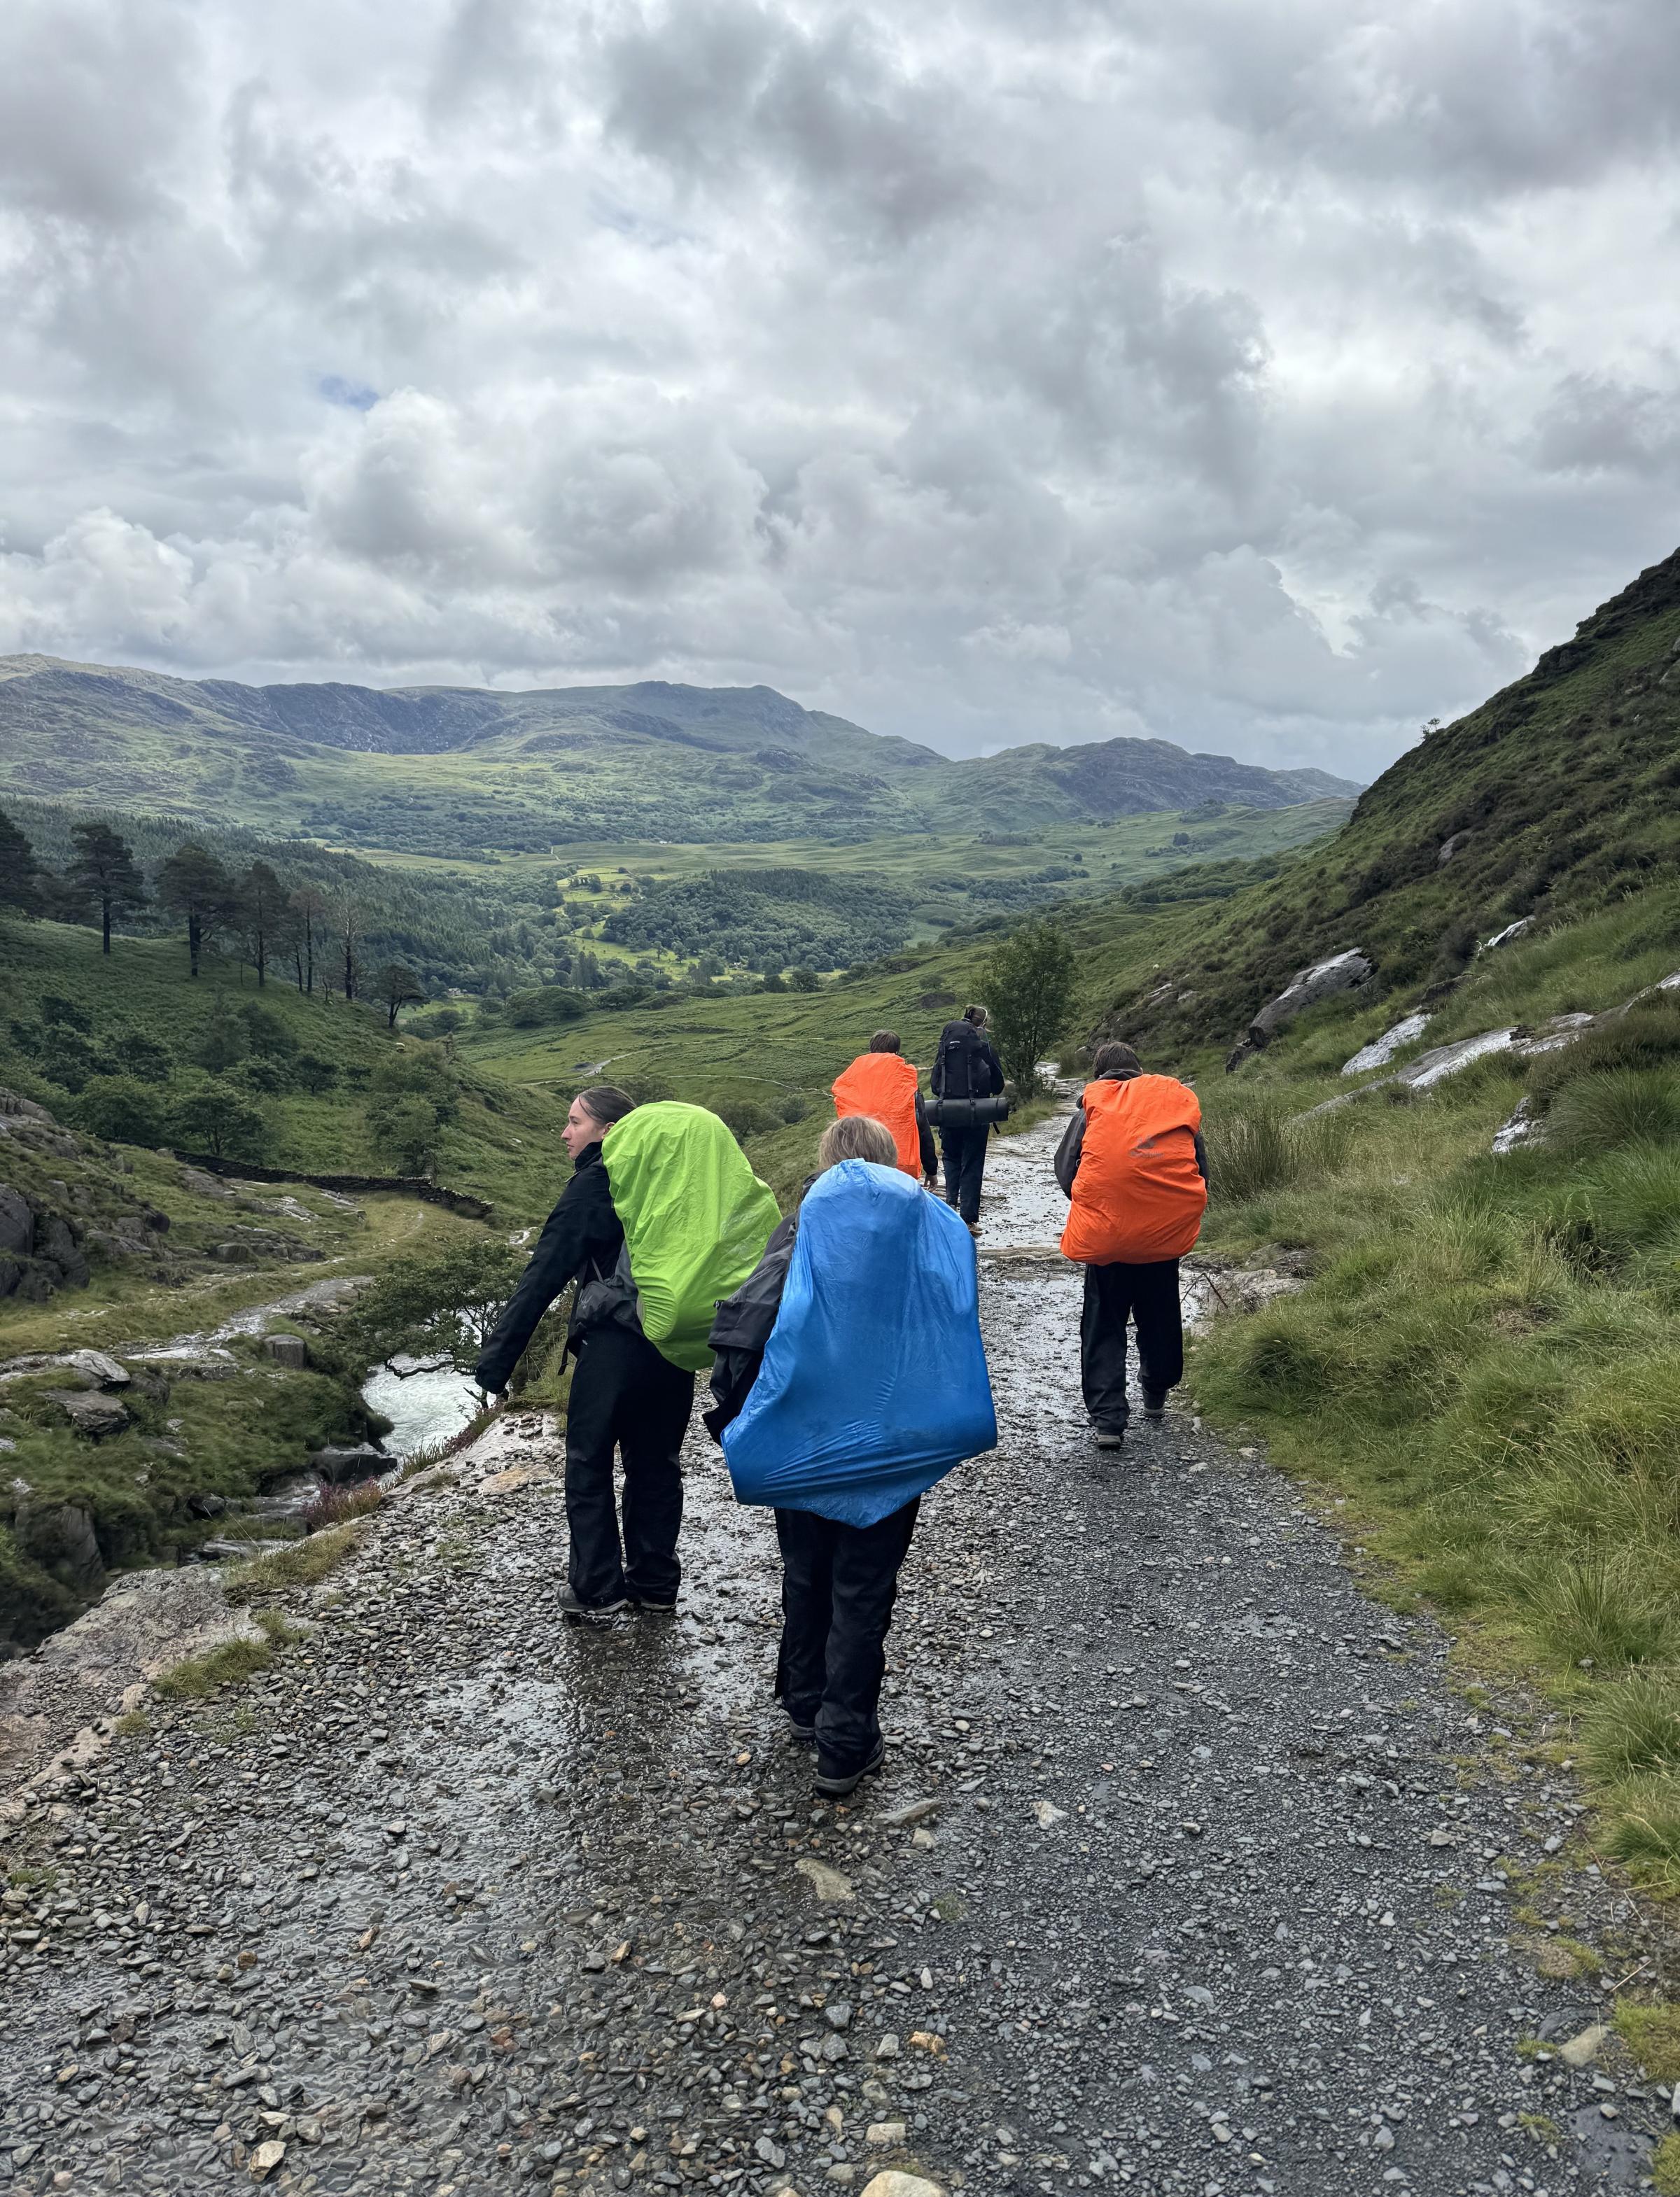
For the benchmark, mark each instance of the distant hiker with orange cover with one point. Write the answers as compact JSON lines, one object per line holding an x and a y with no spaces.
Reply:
{"x":883,"y":1084}
{"x":1134,"y":1165}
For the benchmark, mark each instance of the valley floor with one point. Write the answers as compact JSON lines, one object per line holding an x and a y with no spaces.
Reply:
{"x":1190,"y":1870}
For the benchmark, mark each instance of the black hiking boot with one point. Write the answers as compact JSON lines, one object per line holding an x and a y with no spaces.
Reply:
{"x":801,"y":1735}
{"x":838,"y":1787}
{"x":590,"y":1612}
{"x":1155,"y":1407}
{"x":1110,"y":1437}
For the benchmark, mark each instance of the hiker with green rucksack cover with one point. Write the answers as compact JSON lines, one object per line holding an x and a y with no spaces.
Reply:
{"x":696,"y":1220}
{"x":662,"y":1218}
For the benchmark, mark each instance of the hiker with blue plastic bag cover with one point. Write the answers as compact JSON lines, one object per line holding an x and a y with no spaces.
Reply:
{"x":850,"y":1376}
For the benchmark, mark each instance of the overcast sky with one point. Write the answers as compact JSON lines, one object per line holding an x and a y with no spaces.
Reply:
{"x":1268,"y":375}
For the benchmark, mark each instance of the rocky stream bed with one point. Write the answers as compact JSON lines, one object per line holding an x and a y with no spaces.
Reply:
{"x":1191,"y":1871}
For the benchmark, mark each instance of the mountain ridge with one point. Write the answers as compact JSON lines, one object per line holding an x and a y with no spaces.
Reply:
{"x":417,"y":767}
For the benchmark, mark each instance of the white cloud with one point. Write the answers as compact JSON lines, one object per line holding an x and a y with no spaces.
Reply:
{"x":1267,"y":374}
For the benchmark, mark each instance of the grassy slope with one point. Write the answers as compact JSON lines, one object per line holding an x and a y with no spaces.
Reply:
{"x":498,"y":1147}
{"x":1485,"y":1364}
{"x":1562,"y":787}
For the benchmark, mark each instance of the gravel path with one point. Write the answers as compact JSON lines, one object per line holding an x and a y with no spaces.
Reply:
{"x":1190,"y":1870}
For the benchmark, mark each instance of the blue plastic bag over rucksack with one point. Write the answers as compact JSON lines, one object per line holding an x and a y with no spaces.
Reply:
{"x":874,"y":1381}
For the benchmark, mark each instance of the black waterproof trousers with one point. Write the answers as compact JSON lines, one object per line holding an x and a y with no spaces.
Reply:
{"x":964,"y":1164}
{"x":838,"y":1585}
{"x":1149,"y":1295}
{"x":625,"y":1395}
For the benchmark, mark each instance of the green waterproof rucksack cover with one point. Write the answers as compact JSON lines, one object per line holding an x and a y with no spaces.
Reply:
{"x":696,"y":1220}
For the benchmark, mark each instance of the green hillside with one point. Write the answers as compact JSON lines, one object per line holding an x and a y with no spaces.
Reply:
{"x":312,"y":1079}
{"x":1556,"y":797}
{"x":458,"y":771}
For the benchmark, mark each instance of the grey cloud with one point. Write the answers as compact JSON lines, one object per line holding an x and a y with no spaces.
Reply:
{"x":1268,"y":374}
{"x":723,"y":92}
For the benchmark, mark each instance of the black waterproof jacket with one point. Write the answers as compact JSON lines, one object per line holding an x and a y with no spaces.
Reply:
{"x":985,"y":1070}
{"x":581,"y":1241}
{"x":741,"y":1327}
{"x":1073,"y":1143}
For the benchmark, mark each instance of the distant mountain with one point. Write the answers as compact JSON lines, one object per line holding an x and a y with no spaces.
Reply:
{"x":442,"y":770}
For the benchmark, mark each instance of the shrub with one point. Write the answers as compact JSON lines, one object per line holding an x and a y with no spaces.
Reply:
{"x":794,"y":1107}
{"x":336,"y":1506}
{"x":552,"y":1004}
{"x":123,"y":1110}
{"x":219,"y":1118}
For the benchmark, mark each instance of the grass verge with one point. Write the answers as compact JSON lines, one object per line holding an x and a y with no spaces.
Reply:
{"x":1484,"y":1364}
{"x":231,"y":1664}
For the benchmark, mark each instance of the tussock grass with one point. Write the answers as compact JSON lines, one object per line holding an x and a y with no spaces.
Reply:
{"x":1261,"y":1149}
{"x":297,"y":1564}
{"x":1652,"y":2034}
{"x":229,"y":1665}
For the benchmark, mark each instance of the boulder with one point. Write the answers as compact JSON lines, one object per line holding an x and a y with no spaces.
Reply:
{"x":59,"y":1537}
{"x":1323,"y":980}
{"x":894,"y":2184}
{"x":94,"y":1416}
{"x":202,"y":1185}
{"x":288,"y":1350}
{"x":340,"y":1466}
{"x":102,"y":1372}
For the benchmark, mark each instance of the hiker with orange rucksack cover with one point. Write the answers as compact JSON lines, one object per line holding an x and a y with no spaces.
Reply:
{"x":1133,"y":1163}
{"x":883,"y":1084}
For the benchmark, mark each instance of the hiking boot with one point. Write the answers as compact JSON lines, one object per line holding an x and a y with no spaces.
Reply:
{"x":1155,"y":1407}
{"x":651,"y":1605}
{"x":592,"y":1611}
{"x":801,"y":1735}
{"x":838,"y":1787}
{"x":973,"y":1228}
{"x":1110,"y":1437}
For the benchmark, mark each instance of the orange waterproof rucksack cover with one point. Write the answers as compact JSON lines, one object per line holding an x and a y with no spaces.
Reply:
{"x":1138,"y":1195}
{"x":883,"y":1084}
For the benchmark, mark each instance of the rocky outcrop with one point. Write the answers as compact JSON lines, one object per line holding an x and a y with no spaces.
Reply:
{"x":40,"y":1252}
{"x":1382,"y":1050}
{"x":1323,"y":980}
{"x":59,"y":1537}
{"x":339,"y":1466}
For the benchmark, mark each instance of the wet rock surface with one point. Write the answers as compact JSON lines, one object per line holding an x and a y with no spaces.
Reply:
{"x":1174,"y":1881}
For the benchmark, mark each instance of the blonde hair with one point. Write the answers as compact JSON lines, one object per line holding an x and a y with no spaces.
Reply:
{"x":856,"y":1137}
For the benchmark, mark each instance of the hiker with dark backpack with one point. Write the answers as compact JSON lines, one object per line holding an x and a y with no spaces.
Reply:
{"x":967,"y":1080}
{"x":1133,"y":1164}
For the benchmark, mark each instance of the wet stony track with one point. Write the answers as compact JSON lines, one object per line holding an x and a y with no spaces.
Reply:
{"x":1175,"y":1881}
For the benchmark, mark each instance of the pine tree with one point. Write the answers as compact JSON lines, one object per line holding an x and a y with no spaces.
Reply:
{"x":19,"y":893}
{"x":104,"y":867}
{"x":192,"y":884}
